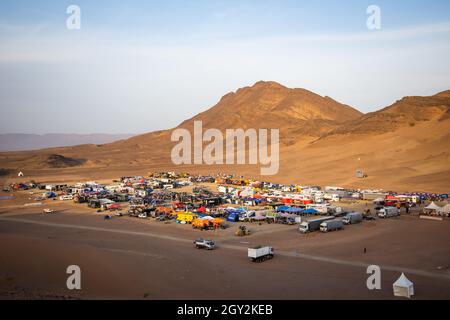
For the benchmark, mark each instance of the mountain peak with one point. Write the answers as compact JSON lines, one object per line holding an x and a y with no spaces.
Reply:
{"x":268,"y":84}
{"x":268,"y":104}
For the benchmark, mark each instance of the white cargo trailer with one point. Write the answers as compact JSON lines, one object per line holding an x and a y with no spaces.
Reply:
{"x":260,"y":254}
{"x":331,"y":225}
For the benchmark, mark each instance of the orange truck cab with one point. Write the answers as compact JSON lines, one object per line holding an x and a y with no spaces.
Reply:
{"x":201,"y":224}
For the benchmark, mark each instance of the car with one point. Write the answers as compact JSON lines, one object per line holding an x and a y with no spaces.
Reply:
{"x":66,"y":197}
{"x":48,"y":211}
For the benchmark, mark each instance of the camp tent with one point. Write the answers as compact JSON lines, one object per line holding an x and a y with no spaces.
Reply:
{"x":403,"y":287}
{"x":445,"y":210}
{"x":310,"y":211}
{"x":283,"y":208}
{"x":294,"y":210}
{"x":201,"y":209}
{"x":432,"y":206}
{"x":432,"y":209}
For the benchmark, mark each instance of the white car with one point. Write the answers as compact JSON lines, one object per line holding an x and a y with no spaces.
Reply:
{"x":48,"y":211}
{"x":66,"y":197}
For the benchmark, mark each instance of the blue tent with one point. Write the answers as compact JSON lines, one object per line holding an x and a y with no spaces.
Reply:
{"x":283,"y":208}
{"x":310,"y":211}
{"x":295,"y":210}
{"x":231,"y":210}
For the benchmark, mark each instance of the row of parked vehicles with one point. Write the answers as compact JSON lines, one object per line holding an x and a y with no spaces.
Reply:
{"x":324,"y":224}
{"x":330,"y":223}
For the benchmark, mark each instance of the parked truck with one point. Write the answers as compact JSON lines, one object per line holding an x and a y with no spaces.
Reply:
{"x":186,"y":217}
{"x":260,"y":254}
{"x":331,"y":225}
{"x":353,"y":218}
{"x":388,"y":212}
{"x":313,"y":225}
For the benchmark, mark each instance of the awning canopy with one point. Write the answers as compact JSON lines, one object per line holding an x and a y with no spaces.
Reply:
{"x":432,"y":206}
{"x":445,"y":209}
{"x":310,"y":211}
{"x":403,"y":287}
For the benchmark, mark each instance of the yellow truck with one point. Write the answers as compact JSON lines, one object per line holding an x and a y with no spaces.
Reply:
{"x":186,"y":217}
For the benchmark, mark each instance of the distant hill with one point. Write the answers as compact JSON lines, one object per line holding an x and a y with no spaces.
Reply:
{"x":22,"y":142}
{"x":402,"y":147}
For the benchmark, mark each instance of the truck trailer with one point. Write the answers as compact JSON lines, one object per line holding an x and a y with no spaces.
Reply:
{"x":331,"y":225}
{"x":260,"y":254}
{"x":353,"y":218}
{"x":313,"y":225}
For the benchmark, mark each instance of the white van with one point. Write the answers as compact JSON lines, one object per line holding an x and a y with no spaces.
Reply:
{"x":388,"y":212}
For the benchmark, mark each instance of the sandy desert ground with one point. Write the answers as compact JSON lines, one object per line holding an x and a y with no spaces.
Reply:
{"x":129,"y":258}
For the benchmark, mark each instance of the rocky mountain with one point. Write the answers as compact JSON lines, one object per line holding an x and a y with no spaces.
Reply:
{"x":402,"y":147}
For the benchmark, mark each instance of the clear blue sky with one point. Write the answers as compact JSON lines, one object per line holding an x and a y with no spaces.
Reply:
{"x":138,"y":66}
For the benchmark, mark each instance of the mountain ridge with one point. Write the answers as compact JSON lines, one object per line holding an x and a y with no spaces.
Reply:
{"x":402,"y":146}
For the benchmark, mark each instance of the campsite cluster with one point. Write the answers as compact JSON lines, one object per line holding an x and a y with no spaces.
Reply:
{"x":223,"y":201}
{"x":189,"y":199}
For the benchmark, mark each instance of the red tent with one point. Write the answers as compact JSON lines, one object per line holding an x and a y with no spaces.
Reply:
{"x":201,"y":209}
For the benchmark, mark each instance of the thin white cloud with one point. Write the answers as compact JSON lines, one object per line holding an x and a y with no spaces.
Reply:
{"x":372,"y":35}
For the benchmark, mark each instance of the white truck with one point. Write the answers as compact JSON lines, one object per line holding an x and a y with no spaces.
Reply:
{"x":331,"y":225}
{"x":204,"y":244}
{"x":260,"y":254}
{"x":313,"y":225}
{"x":388,"y":212}
{"x":334,"y":197}
{"x":353,"y":218}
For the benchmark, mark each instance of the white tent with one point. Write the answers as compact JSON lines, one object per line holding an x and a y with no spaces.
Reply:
{"x":445,"y":210}
{"x":403,"y":287}
{"x":432,"y":206}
